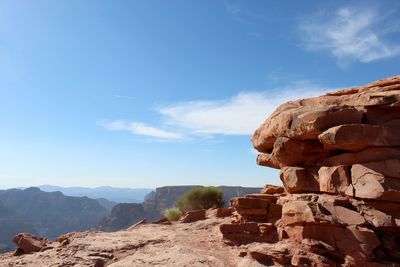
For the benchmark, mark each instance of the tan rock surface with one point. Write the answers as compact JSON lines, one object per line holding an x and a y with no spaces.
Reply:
{"x":194,"y":215}
{"x":272,"y":189}
{"x":357,"y":137}
{"x":224,"y":212}
{"x":370,"y":184}
{"x":299,"y":179}
{"x":180,"y":244}
{"x":335,"y":180}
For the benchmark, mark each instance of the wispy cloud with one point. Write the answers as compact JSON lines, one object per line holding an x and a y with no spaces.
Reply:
{"x":352,"y":34}
{"x":124,"y":97}
{"x":241,"y":14}
{"x":139,"y":129}
{"x":237,"y":115}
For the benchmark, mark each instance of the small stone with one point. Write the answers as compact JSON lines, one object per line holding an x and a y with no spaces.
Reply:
{"x":242,"y":253}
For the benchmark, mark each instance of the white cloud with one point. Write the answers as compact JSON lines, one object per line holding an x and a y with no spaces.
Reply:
{"x":351,"y":34}
{"x":140,"y":129}
{"x":234,"y":116}
{"x":237,"y":115}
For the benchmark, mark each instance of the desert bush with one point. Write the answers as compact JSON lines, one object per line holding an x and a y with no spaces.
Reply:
{"x":201,"y":198}
{"x":173,"y":214}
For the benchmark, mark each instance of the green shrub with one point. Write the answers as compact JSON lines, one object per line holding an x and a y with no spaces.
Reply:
{"x":201,"y":198}
{"x":173,"y":214}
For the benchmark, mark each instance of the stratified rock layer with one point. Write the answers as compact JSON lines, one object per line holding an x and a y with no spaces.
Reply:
{"x":339,"y":156}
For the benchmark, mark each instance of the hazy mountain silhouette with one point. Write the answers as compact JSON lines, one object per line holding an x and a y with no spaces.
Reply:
{"x":109,"y":205}
{"x":115,"y":194}
{"x":45,"y":214}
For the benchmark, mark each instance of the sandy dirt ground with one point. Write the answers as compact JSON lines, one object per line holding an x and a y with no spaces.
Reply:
{"x":180,"y":244}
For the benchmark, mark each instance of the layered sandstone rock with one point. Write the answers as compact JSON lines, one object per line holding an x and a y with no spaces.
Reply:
{"x":193,"y":215}
{"x":339,"y":157}
{"x":28,"y":243}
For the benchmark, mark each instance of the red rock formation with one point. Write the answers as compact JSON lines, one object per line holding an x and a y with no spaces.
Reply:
{"x":28,"y":243}
{"x":223,"y":212}
{"x":194,"y":215}
{"x":339,"y":156}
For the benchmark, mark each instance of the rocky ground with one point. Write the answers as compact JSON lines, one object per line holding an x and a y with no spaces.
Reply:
{"x":179,"y":244}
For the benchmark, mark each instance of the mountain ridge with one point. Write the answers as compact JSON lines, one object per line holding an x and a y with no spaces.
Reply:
{"x":115,"y":194}
{"x":45,"y":214}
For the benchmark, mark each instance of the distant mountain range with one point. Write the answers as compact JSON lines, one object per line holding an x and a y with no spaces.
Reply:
{"x":125,"y":214}
{"x":50,"y":214}
{"x":115,"y":194}
{"x":45,"y":214}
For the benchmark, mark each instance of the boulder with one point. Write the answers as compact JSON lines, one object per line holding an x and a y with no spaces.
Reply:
{"x":299,"y":212}
{"x":272,"y":189}
{"x":242,"y":232}
{"x":257,"y":207}
{"x":224,"y":212}
{"x":268,"y":160}
{"x":250,"y":203}
{"x":388,"y":168}
{"x":335,"y":180}
{"x":373,"y":185}
{"x":252,"y":209}
{"x":250,"y":231}
{"x":28,"y":243}
{"x":290,"y":152}
{"x":299,"y":179}
{"x":344,"y":215}
{"x":194,"y":215}
{"x":268,"y":233}
{"x":357,"y":137}
{"x":359,"y":242}
{"x":380,"y":214}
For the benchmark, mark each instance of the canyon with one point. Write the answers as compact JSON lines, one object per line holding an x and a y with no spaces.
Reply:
{"x":339,"y":158}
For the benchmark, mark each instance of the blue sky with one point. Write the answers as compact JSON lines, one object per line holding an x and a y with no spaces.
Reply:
{"x":153,"y":93}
